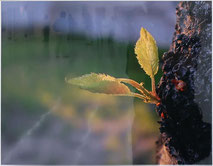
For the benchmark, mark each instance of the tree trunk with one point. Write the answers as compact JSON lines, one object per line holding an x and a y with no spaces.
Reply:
{"x":185,"y":88}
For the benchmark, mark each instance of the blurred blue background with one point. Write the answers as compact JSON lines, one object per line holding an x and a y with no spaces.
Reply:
{"x":46,"y":121}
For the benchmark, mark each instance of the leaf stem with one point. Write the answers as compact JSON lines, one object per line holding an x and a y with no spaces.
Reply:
{"x":145,"y":99}
{"x":136,"y":85}
{"x":138,"y":96}
{"x":150,"y":97}
{"x":153,"y":85}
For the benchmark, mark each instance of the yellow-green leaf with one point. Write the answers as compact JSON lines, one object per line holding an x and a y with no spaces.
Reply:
{"x":100,"y":83}
{"x":147,"y":53}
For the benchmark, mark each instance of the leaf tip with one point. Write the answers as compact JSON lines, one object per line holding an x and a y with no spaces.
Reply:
{"x":143,"y":31}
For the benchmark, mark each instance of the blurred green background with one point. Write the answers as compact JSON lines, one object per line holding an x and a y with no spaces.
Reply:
{"x":46,"y":121}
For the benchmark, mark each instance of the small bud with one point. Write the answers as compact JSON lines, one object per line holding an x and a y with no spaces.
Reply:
{"x":162,"y":115}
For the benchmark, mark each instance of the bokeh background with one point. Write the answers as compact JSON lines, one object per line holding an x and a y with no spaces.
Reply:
{"x":46,"y":121}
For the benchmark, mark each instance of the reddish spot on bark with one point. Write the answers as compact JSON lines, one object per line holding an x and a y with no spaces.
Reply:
{"x":157,"y":104}
{"x":162,"y":115}
{"x":179,"y":85}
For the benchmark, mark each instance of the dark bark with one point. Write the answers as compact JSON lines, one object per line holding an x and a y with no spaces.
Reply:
{"x":185,"y":88}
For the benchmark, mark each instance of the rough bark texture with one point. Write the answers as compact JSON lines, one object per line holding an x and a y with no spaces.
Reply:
{"x":185,"y":88}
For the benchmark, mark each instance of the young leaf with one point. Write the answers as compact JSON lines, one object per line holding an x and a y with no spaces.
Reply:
{"x":147,"y":53}
{"x":100,"y":83}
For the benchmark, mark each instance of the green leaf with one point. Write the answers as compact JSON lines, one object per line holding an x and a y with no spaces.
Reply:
{"x":147,"y":53}
{"x":100,"y":83}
